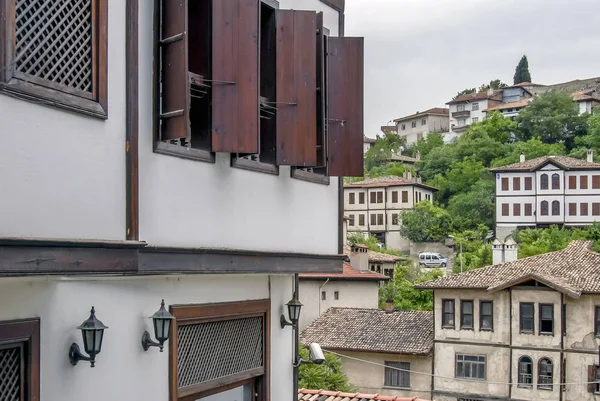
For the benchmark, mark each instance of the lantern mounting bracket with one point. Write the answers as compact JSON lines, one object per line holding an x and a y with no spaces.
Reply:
{"x":75,"y":356}
{"x":284,"y":322}
{"x":147,"y":342}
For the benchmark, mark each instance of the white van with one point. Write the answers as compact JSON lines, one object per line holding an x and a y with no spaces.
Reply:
{"x":431,"y":259}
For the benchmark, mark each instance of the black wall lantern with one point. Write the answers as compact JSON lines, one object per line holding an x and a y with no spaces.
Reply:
{"x":161,"y":321}
{"x":294,"y":307}
{"x":92,"y":331}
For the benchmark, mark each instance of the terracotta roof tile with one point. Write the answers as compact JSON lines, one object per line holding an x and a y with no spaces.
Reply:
{"x":402,"y":158}
{"x":434,"y":111}
{"x":325,"y":395}
{"x":376,"y":256}
{"x":572,"y":271}
{"x":583,"y":95}
{"x":387,"y":181}
{"x":366,"y":139}
{"x":348,"y":273}
{"x":400,"y":332}
{"x":565,"y":162}
{"x":510,"y":105}
{"x":474,"y":96}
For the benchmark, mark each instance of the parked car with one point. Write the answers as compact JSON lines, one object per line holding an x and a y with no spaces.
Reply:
{"x":432,"y":259}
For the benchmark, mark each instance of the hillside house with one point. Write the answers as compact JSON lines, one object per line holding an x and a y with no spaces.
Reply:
{"x":147,"y":156}
{"x":418,"y":125}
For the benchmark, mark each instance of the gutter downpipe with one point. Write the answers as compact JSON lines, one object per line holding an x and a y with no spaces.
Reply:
{"x":319,"y":294}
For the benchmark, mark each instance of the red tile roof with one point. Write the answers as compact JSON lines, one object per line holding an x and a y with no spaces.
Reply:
{"x":348,"y":274}
{"x":565,"y":162}
{"x":387,"y":181}
{"x":580,"y":96}
{"x":388,"y":128}
{"x":434,"y":111}
{"x":326,"y":395}
{"x":510,"y":105}
{"x":366,"y":139}
{"x":474,"y":96}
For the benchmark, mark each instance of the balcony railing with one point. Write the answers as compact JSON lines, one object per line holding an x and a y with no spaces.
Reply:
{"x":461,"y":114}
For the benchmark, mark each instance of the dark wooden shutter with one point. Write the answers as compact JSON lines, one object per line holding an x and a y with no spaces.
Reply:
{"x":573,"y":182}
{"x":591,"y":387}
{"x":505,"y":209}
{"x":321,"y":93}
{"x":583,"y":182}
{"x":505,"y":184}
{"x":572,"y":209}
{"x":174,"y":113}
{"x":345,"y":76}
{"x":235,"y":94}
{"x":296,"y":88}
{"x":528,"y":183}
{"x":516,"y":183}
{"x":596,"y":182}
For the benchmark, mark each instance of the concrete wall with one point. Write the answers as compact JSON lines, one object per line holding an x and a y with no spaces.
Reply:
{"x":352,"y":294}
{"x":370,"y":378}
{"x":468,"y":106}
{"x":123,"y":370}
{"x":432,"y":123}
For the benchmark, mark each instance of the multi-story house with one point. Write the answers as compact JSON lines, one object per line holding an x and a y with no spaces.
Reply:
{"x":374,"y":206}
{"x":514,"y":98}
{"x":355,"y":287}
{"x":420,"y":124}
{"x":549,"y":190}
{"x":468,"y":109}
{"x":528,"y":329}
{"x":368,"y":143}
{"x":146,"y":156}
{"x":383,"y":351}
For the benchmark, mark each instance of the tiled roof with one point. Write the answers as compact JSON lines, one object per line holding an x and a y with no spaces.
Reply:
{"x":402,"y":158}
{"x":372,"y":330}
{"x":376,"y":256}
{"x":572,"y":271}
{"x":326,"y":395}
{"x":434,"y":111}
{"x":366,"y":139}
{"x":565,"y":162}
{"x":348,"y":273}
{"x":387,"y":181}
{"x":388,"y":128}
{"x":525,"y":84}
{"x":474,"y":96}
{"x":580,"y":96}
{"x":510,"y":105}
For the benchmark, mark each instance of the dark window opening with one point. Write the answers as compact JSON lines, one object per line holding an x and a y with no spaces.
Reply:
{"x":397,"y":374}
{"x":555,"y":208}
{"x":555,"y":181}
{"x":545,"y":373}
{"x":525,"y":372}
{"x":544,"y":208}
{"x":544,"y":181}
{"x":336,"y":295}
{"x":546,"y":319}
{"x":470,"y":366}
{"x":526,"y":313}
{"x":466,"y":314}
{"x":486,"y":313}
{"x":448,"y":313}
{"x":323,"y":296}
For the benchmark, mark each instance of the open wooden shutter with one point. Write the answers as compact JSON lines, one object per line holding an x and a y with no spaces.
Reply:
{"x":321,"y":93}
{"x":296,"y":88}
{"x":591,"y":378}
{"x":235,"y":94}
{"x":345,"y":59}
{"x":175,"y":105}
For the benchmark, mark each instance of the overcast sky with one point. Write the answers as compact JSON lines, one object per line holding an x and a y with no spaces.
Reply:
{"x":419,"y":53}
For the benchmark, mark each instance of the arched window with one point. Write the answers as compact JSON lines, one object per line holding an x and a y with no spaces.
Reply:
{"x":544,"y":181}
{"x":545,"y":369}
{"x":525,"y":371}
{"x":555,"y":181}
{"x":544,"y":208}
{"x":555,"y":208}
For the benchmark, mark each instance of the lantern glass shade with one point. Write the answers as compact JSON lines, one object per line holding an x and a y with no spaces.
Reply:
{"x":92,"y":331}
{"x":294,"y":307}
{"x":162,"y":323}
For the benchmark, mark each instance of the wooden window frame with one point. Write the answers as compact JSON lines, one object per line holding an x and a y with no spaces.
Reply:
{"x":521,"y":330}
{"x":572,"y":209}
{"x":194,"y":314}
{"x":597,"y":321}
{"x":557,"y":209}
{"x":528,"y":183}
{"x":544,"y":184}
{"x":522,"y":376}
{"x":453,"y":314}
{"x":372,"y":197}
{"x":472,"y":363}
{"x":540,"y":332}
{"x":323,"y":295}
{"x":404,"y":196}
{"x":373,"y":219}
{"x":336,"y":295}
{"x":583,"y":182}
{"x":379,"y":197}
{"x":528,"y":210}
{"x":464,"y":326}
{"x":361,"y":198}
{"x":547,"y":211}
{"x":395,"y":219}
{"x":351,"y":220}
{"x":395,"y":365}
{"x":42,"y":91}
{"x":481,"y":315}
{"x":394,"y":196}
{"x":572,"y":182}
{"x":545,"y":386}
{"x":504,"y":181}
{"x":25,"y":332}
{"x":516,"y":209}
{"x":505,"y":210}
{"x":380,"y":221}
{"x":516,"y":183}
{"x":351,"y":198}
{"x":583,"y":209}
{"x":595,"y":181}
{"x":555,"y":181}
{"x":595,"y":208}
{"x":361,"y":219}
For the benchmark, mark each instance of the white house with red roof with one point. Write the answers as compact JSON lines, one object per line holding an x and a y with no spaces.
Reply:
{"x":374,"y":206}
{"x":418,"y":125}
{"x":468,"y":109}
{"x":549,"y":190}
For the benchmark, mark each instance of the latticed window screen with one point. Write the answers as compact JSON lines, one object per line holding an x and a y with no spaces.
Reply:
{"x":209,"y":351}
{"x":11,"y":380}
{"x":54,"y":41}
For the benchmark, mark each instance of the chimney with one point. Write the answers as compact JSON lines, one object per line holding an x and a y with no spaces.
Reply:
{"x":389,"y":306}
{"x":490,"y":91}
{"x":409,"y":175}
{"x":590,"y":155}
{"x":359,"y":257}
{"x":405,"y":174}
{"x":418,"y":155}
{"x":497,"y":252}
{"x":522,"y":157}
{"x":510,"y":250}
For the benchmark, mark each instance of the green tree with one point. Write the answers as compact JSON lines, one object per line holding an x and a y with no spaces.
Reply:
{"x":437,"y":161}
{"x":464,"y":174}
{"x":401,"y":288}
{"x":531,"y":149}
{"x":425,"y":223}
{"x":554,"y":118}
{"x":494,"y":84}
{"x":464,"y":92}
{"x":372,"y":243}
{"x":522,"y":71}
{"x":469,"y":209}
{"x":425,"y":145}
{"x":589,"y":141}
{"x":329,"y":375}
{"x":383,"y":149}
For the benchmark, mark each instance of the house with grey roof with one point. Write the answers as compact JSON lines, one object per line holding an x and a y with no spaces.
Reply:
{"x":528,"y":329}
{"x":545,"y":191}
{"x":383,"y":352}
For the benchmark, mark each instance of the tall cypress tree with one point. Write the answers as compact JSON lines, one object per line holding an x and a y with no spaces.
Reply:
{"x":522,"y":72}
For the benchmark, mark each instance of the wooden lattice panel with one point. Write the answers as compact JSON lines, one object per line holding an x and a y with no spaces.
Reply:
{"x":209,"y":351}
{"x":10,"y":374}
{"x":54,"y":41}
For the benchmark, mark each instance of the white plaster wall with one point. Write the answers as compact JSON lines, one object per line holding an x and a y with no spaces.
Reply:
{"x":377,"y":227}
{"x":511,"y":190}
{"x":537,"y":296}
{"x":411,"y":201}
{"x":375,"y":205}
{"x":512,"y":200}
{"x":357,"y":205}
{"x":550,"y":170}
{"x":393,"y":240}
{"x":195,"y":204}
{"x":500,"y":334}
{"x":578,"y":200}
{"x":497,"y":366}
{"x":353,"y":294}
{"x":576,"y":372}
{"x":550,"y":218}
{"x":63,"y":174}
{"x":123,"y":369}
{"x":580,"y":323}
{"x":370,"y":378}
{"x":483,"y":104}
{"x":578,"y":190}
